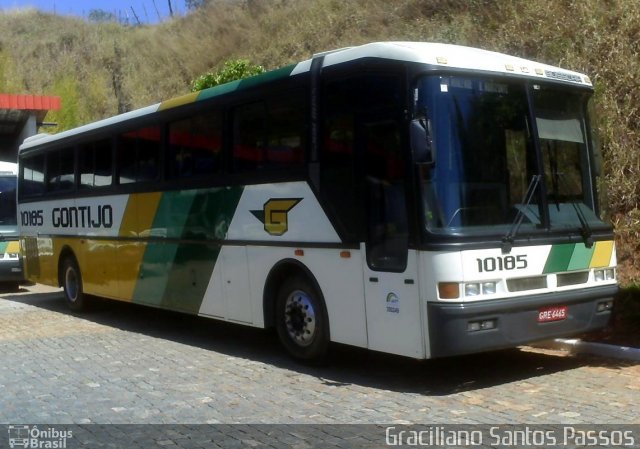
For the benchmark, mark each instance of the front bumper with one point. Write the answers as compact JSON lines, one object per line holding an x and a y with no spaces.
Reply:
{"x":11,"y":270}
{"x":516,"y":320}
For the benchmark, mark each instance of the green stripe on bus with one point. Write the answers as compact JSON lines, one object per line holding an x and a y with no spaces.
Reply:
{"x":3,"y":247}
{"x":568,"y":257}
{"x":168,"y":222}
{"x":559,"y":258}
{"x":208,"y":219}
{"x":218,"y":90}
{"x":581,"y":257}
{"x":175,"y":275}
{"x":282,"y":72}
{"x":246,"y":83}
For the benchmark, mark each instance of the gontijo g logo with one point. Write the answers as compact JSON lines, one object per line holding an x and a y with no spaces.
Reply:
{"x":275,"y":214}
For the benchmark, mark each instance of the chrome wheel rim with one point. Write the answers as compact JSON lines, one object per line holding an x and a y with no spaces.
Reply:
{"x":300,"y":318}
{"x":71,"y":284}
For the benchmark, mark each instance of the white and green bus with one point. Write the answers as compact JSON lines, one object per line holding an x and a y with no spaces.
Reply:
{"x":418,"y":199}
{"x":11,"y":274}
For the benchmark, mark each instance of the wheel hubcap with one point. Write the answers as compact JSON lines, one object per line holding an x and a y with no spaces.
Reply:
{"x":71,"y":284}
{"x":300,"y":318}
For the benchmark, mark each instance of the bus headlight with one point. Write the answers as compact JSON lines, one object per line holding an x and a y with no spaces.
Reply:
{"x":606,"y":274}
{"x":472,"y":289}
{"x":488,"y":288}
{"x":480,"y":288}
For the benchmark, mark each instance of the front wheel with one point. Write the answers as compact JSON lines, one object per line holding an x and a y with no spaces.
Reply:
{"x":72,"y":284}
{"x":301,"y":320}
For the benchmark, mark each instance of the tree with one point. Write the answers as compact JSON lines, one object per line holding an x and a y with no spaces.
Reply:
{"x":232,"y":70}
{"x":100,"y":15}
{"x":195,"y":4}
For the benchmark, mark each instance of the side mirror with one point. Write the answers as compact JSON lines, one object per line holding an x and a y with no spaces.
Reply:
{"x":421,"y":141}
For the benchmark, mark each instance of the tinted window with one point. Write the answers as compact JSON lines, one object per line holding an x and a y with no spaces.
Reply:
{"x":249,"y":123}
{"x":347,"y":101}
{"x":95,"y":164}
{"x":195,"y":146}
{"x":387,"y":227}
{"x":139,"y":155}
{"x":270,"y":135}
{"x":7,"y":200}
{"x":32,"y":175}
{"x":60,"y":170}
{"x":285,"y":142}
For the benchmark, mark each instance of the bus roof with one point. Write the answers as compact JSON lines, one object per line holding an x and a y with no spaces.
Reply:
{"x":454,"y":56}
{"x":433,"y":54}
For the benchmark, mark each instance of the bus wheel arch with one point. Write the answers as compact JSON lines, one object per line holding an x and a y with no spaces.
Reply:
{"x":70,"y":279}
{"x":294,"y":304}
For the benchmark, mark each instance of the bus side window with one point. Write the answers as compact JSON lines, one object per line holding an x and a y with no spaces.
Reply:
{"x":60,"y":170}
{"x":95,"y":164}
{"x":195,"y":146}
{"x":32,"y":176}
{"x":286,"y":142}
{"x":388,"y":235}
{"x":347,"y":101}
{"x":249,"y":123}
{"x":139,"y":155}
{"x":338,"y":171}
{"x":270,"y":134}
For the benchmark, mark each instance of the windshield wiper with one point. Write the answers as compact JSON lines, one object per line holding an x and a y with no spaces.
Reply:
{"x":585,"y":229}
{"x":507,"y":240}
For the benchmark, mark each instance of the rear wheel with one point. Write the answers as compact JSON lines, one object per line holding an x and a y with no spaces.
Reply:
{"x":72,"y":284}
{"x":301,"y":320}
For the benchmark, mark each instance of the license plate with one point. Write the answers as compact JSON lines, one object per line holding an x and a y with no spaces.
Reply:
{"x":555,"y":313}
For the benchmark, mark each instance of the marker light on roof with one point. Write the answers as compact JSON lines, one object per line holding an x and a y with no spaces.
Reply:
{"x":587,"y":80}
{"x":509,"y":67}
{"x":524,"y":69}
{"x":442,"y":60}
{"x":539,"y":72}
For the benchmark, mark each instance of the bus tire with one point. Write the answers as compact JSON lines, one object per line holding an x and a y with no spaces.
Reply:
{"x":301,"y":320}
{"x":72,"y":285}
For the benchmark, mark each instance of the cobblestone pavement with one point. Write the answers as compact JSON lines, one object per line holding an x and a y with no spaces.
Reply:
{"x":126,"y":364}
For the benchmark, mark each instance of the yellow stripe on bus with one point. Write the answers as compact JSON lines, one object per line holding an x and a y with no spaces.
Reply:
{"x":602,"y":254}
{"x":13,"y":247}
{"x":180,"y":101}
{"x":139,"y":214}
{"x":136,"y":223}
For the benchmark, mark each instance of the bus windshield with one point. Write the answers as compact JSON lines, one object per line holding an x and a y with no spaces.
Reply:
{"x":484,"y":159}
{"x":8,"y":200}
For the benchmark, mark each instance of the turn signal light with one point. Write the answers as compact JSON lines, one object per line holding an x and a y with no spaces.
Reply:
{"x":449,"y":290}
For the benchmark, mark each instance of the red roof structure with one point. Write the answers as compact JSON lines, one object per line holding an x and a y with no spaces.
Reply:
{"x":29,"y":102}
{"x":20,"y":116}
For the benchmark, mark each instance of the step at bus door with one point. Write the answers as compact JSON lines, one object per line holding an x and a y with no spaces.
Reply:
{"x":391,"y":269}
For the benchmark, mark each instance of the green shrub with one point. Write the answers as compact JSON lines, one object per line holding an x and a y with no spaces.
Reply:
{"x":232,"y":70}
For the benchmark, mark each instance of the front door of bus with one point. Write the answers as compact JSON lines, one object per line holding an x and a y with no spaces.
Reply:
{"x":391,"y":271}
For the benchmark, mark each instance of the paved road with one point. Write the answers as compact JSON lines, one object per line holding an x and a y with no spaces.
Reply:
{"x":122,"y":363}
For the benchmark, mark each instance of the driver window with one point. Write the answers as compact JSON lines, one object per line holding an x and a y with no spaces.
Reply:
{"x":388,"y":235}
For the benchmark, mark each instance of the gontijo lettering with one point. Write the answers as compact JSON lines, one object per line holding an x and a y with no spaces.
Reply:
{"x":71,"y":217}
{"x":82,"y":217}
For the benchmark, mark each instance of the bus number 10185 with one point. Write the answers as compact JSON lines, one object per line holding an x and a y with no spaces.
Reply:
{"x":501,"y":263}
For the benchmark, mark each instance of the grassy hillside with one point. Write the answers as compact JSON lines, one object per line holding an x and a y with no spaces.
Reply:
{"x":101,"y":69}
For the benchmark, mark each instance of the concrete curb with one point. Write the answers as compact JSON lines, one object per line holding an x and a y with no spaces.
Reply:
{"x":577,"y":346}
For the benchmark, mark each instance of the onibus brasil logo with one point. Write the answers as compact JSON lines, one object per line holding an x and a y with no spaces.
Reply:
{"x":31,"y":437}
{"x":275,"y":214}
